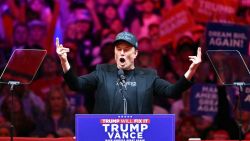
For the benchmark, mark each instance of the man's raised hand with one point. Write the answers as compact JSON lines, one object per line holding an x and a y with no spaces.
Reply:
{"x":196,"y":61}
{"x":61,"y":51}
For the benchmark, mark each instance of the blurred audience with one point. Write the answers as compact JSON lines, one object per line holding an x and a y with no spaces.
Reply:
{"x":88,"y":28}
{"x":22,"y":123}
{"x":58,"y":120}
{"x":187,"y":129}
{"x":50,"y":77}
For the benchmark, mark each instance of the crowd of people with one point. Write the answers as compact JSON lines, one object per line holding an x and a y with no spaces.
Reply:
{"x":46,"y":107}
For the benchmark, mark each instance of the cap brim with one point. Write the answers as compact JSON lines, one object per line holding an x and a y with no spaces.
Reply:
{"x":117,"y":41}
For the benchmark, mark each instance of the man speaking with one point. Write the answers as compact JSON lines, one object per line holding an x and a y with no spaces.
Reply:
{"x":123,"y":87}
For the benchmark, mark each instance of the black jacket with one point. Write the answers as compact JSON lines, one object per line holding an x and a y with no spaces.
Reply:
{"x":104,"y":79}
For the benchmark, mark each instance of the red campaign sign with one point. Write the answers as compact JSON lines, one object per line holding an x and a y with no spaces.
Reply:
{"x":215,"y":10}
{"x":175,"y":22}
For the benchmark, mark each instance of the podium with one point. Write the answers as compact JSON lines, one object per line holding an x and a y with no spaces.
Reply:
{"x":37,"y":139}
{"x":117,"y":127}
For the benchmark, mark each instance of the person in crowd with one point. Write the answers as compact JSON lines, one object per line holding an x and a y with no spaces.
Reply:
{"x":140,"y":25}
{"x":22,"y":124}
{"x":32,"y":104}
{"x":20,"y":36}
{"x":49,"y":77}
{"x":187,"y":129}
{"x":58,"y":118}
{"x":76,"y":100}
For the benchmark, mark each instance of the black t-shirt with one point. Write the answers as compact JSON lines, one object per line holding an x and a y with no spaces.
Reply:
{"x":130,"y":95}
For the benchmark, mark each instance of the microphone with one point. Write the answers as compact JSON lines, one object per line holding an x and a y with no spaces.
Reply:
{"x":122,"y":76}
{"x":122,"y":87}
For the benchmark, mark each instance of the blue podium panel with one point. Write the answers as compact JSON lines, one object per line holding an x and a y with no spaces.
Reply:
{"x":144,"y":127}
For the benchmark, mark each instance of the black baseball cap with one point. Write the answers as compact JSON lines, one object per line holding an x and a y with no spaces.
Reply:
{"x":127,"y":37}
